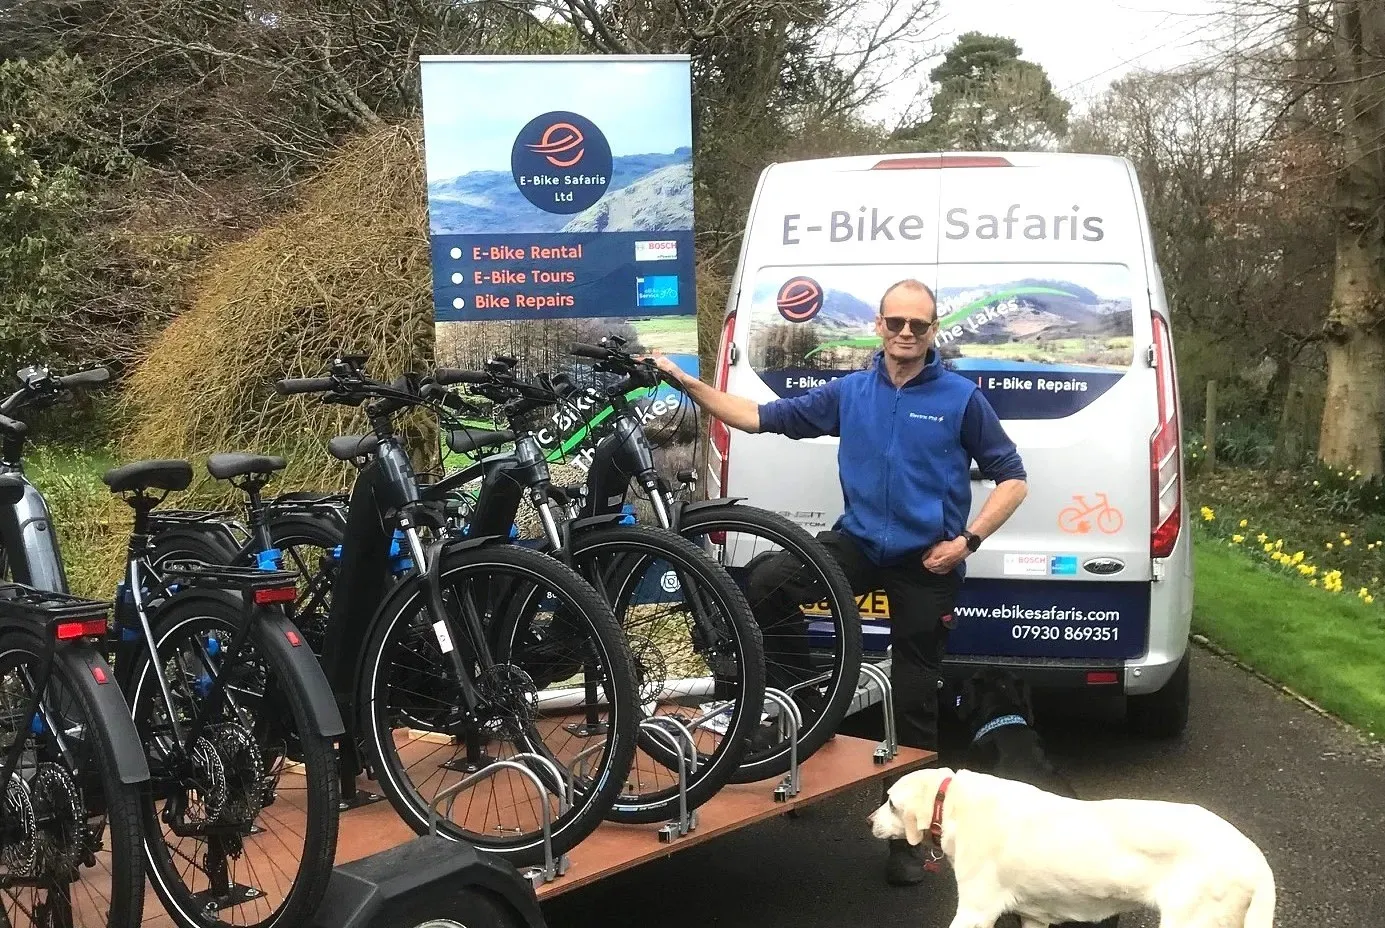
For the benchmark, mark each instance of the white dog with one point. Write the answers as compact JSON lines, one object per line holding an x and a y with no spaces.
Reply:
{"x":1049,"y":859}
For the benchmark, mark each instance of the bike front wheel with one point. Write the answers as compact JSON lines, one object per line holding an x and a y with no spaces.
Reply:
{"x":558,"y":689}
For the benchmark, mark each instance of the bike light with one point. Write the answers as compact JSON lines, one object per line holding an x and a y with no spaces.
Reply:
{"x":293,"y":638}
{"x":87,"y":628}
{"x":283,"y":594}
{"x":99,"y":675}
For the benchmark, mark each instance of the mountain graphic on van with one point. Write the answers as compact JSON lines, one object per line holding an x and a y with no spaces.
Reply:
{"x":964,"y":312}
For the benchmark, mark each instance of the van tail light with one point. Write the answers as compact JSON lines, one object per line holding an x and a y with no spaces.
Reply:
{"x":720,"y":433}
{"x":1165,"y":450}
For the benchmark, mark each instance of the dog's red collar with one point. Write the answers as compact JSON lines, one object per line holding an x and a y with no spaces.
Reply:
{"x":935,"y":828}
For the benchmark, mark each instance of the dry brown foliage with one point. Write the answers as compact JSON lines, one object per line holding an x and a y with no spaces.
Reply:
{"x":347,"y":270}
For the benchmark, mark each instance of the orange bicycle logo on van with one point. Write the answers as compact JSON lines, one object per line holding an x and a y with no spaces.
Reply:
{"x":1077,"y":520}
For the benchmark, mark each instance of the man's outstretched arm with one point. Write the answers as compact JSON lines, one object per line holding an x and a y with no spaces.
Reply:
{"x":739,"y":412}
{"x":810,"y":415}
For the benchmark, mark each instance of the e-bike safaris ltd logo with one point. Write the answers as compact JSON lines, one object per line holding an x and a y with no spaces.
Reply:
{"x":561,"y":162}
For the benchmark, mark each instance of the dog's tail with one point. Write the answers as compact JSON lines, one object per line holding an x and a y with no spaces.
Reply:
{"x":1260,"y":914}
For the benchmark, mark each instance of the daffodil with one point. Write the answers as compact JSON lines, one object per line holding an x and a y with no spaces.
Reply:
{"x":1315,"y":483}
{"x":1238,"y":538}
{"x":1313,"y":582}
{"x":1346,"y":542}
{"x":1262,"y":538}
{"x":1268,"y":548}
{"x":1329,"y":546}
{"x":1207,"y":514}
{"x":1244,"y":522}
{"x":1298,"y":557}
{"x":1369,"y":599}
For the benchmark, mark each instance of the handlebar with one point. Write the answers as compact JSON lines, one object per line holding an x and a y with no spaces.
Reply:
{"x":292,"y":385}
{"x":447,"y":376}
{"x":82,"y":378}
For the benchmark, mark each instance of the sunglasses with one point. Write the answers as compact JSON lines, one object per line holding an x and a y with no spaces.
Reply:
{"x":918,"y":327}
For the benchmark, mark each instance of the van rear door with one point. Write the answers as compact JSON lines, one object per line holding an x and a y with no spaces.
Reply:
{"x":1038,"y":264}
{"x":1044,"y":302}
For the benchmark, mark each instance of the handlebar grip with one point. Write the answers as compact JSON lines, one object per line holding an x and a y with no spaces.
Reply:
{"x":95,"y":375}
{"x":594,"y":352}
{"x":292,"y":385}
{"x":447,"y":376}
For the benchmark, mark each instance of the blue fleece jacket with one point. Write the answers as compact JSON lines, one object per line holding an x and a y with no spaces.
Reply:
{"x":904,"y":458}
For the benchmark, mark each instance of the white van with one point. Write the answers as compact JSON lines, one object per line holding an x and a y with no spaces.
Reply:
{"x":1048,"y":295}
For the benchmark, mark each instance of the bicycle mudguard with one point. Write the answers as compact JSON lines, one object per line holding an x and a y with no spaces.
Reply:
{"x":285,"y":638}
{"x":124,"y":749}
{"x":676,"y":511}
{"x":281,"y":634}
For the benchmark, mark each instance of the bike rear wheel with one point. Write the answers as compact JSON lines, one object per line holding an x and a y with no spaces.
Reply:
{"x":817,"y":664}
{"x":72,"y":847}
{"x":561,"y":685}
{"x":260,"y":814}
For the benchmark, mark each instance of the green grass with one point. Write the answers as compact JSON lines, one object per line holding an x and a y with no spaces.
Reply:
{"x":1328,"y":647}
{"x":669,"y":334}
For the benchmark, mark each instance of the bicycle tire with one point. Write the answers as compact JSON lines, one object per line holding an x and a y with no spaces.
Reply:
{"x":313,"y":615}
{"x":316,"y":754}
{"x":580,"y":820}
{"x":738,"y":517}
{"x":659,"y":544}
{"x":192,"y":545}
{"x":122,"y":801}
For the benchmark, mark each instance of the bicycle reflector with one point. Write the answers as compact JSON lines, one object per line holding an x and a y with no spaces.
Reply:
{"x":85,"y":628}
{"x":277,"y":594}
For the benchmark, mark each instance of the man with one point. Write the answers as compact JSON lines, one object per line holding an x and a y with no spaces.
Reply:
{"x":909,"y":429}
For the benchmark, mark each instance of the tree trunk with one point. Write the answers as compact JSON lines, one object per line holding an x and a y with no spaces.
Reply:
{"x":1354,"y":412}
{"x":1355,"y":404}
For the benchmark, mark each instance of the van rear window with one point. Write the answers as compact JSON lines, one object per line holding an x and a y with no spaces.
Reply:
{"x":1041,"y":340}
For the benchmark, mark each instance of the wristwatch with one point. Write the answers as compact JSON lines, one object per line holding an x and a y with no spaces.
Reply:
{"x":973,"y":540}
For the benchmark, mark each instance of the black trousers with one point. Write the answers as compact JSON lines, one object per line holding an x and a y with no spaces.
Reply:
{"x":919,"y":599}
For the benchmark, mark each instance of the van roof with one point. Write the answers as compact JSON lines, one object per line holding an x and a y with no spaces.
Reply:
{"x":933,"y":159}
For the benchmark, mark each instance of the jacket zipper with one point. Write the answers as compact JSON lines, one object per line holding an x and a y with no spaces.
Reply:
{"x":889,"y":457}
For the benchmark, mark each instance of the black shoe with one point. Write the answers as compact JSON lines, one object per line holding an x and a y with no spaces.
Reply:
{"x":905,"y":866}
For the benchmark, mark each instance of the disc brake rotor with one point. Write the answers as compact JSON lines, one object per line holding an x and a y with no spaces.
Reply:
{"x":21,"y":856}
{"x":62,"y":838}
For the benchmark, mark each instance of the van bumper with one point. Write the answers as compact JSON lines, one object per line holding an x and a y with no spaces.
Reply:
{"x":1124,"y":678}
{"x":1135,"y":678}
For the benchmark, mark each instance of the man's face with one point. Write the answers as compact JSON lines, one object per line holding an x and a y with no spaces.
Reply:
{"x":907,"y":325}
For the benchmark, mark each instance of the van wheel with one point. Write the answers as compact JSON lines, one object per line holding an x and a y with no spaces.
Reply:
{"x":1163,"y":714}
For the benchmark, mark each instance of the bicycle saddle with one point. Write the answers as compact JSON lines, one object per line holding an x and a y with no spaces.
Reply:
{"x":465,"y":441}
{"x":11,"y":489}
{"x":169,"y":475}
{"x":224,"y":466}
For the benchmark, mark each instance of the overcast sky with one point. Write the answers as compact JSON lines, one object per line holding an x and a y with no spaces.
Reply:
{"x":1083,"y":44}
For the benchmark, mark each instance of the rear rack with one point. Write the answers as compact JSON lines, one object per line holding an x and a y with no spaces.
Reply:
{"x":188,"y":515}
{"x":244,"y":579}
{"x":48,"y":609}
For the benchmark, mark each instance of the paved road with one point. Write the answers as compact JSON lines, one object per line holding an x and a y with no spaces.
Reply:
{"x":1311,"y":795}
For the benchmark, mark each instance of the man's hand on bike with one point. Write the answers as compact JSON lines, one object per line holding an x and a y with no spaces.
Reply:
{"x":664,"y":364}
